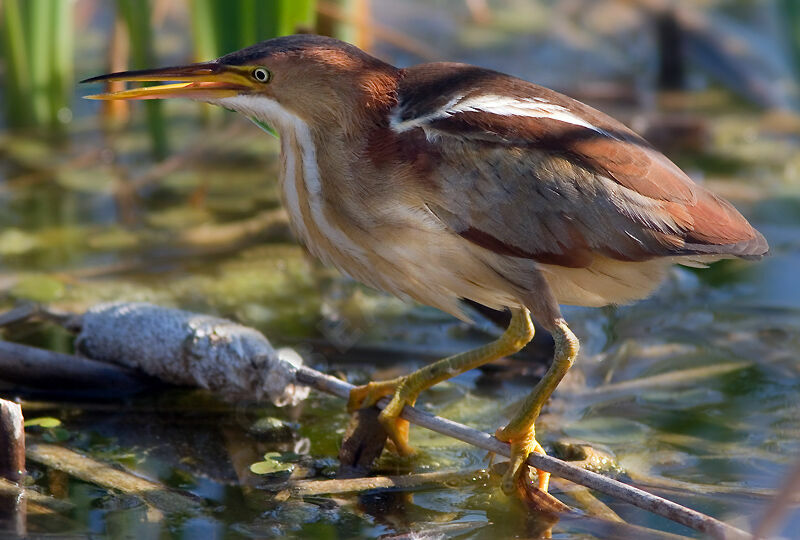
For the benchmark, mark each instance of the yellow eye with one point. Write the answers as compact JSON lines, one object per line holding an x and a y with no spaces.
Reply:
{"x":262,"y":75}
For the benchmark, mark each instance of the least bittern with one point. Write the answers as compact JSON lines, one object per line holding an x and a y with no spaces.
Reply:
{"x":447,"y":181}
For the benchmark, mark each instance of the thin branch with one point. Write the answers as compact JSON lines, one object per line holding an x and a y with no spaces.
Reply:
{"x":110,"y":477}
{"x":637,"y":497}
{"x":306,"y":488}
{"x":10,"y":489}
{"x":586,"y":500}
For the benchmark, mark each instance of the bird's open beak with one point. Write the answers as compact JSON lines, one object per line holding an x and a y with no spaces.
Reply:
{"x":200,"y":81}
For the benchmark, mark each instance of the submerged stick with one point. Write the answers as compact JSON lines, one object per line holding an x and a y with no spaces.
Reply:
{"x":586,"y":500}
{"x":109,"y":477}
{"x":39,"y":508}
{"x":60,"y":506}
{"x":306,"y":488}
{"x":637,"y":497}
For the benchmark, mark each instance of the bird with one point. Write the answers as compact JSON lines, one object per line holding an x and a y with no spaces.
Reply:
{"x":444,"y":182}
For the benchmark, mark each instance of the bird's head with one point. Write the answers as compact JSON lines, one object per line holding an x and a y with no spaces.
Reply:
{"x":322,"y":81}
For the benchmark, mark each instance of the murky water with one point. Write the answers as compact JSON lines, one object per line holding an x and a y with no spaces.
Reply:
{"x":694,"y":392}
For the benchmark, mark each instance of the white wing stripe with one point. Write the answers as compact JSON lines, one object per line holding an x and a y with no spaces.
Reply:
{"x":399,"y":126}
{"x":495,"y":104}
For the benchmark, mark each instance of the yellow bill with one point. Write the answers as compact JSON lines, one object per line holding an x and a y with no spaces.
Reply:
{"x":200,"y":81}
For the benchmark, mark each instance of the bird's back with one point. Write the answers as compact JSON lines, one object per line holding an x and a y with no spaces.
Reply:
{"x":558,"y":166}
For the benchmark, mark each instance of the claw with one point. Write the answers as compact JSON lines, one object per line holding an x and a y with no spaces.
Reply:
{"x":521,"y":447}
{"x":537,"y":500}
{"x":397,"y":429}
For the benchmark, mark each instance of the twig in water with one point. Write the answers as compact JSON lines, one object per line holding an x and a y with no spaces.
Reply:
{"x":586,"y":500}
{"x":43,"y":510}
{"x":104,"y":475}
{"x":637,"y":497}
{"x":307,"y":488}
{"x":32,"y":496}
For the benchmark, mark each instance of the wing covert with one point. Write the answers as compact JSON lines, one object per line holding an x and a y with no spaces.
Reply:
{"x":528,"y":172}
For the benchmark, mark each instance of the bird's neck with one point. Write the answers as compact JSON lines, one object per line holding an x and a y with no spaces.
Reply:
{"x":320,"y":152}
{"x":314,"y":178}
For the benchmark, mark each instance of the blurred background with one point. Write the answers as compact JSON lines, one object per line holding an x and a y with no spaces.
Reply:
{"x":694,"y":392}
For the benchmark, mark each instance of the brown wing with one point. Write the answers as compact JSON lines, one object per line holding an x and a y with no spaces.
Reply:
{"x":529,"y":172}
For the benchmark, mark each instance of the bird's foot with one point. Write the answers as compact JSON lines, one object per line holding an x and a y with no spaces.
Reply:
{"x":522,"y":445}
{"x":396,"y":428}
{"x":369,"y":394}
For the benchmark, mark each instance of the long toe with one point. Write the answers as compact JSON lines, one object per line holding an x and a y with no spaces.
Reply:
{"x":522,"y":445}
{"x":396,"y":427}
{"x":397,"y":430}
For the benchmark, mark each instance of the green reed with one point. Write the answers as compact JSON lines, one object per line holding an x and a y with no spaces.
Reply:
{"x":137,"y":15}
{"x":36,"y":37}
{"x":222,"y":26}
{"x":37,"y":49}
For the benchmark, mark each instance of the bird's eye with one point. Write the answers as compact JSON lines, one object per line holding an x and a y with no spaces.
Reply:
{"x":261,"y":75}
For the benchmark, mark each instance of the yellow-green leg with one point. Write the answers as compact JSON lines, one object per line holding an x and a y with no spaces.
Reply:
{"x":520,"y":432}
{"x":407,"y":388}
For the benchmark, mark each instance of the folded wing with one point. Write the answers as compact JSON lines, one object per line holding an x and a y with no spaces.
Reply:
{"x":528,"y":172}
